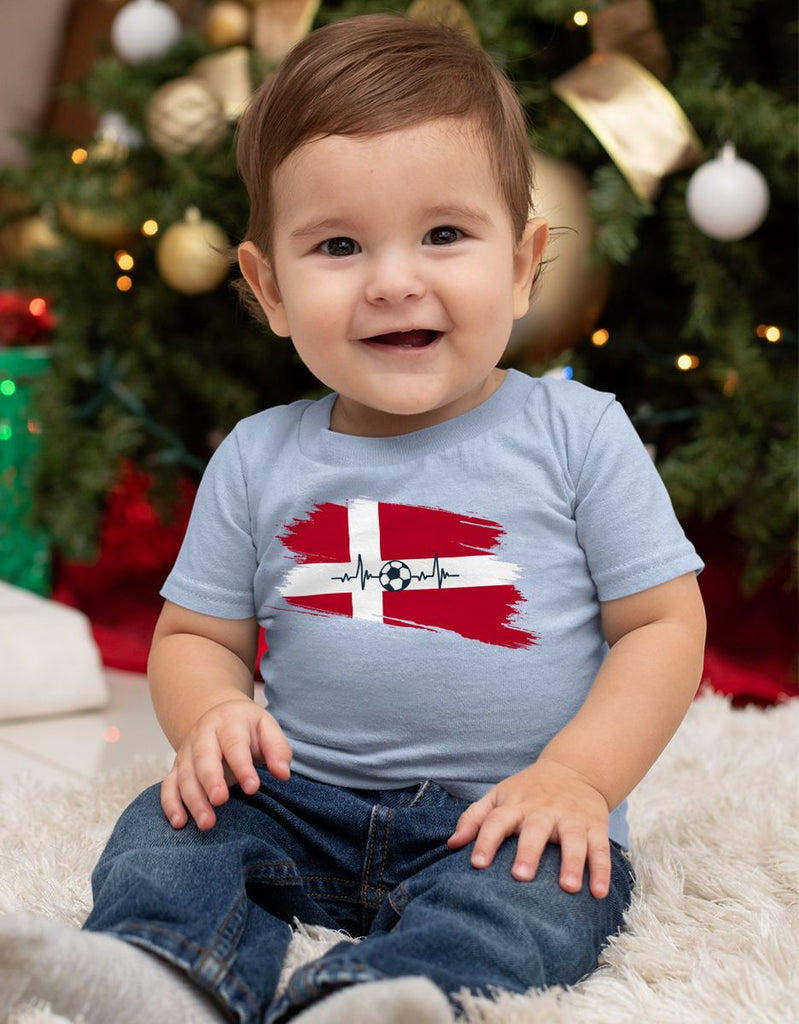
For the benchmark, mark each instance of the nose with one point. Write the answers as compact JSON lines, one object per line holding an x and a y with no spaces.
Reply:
{"x":394,"y":277}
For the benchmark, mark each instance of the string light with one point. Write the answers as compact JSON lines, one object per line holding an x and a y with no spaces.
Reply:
{"x":6,"y":433}
{"x":34,"y":427}
{"x":124,"y":260}
{"x":149,"y":228}
{"x":770,"y":332}
{"x":79,"y":155}
{"x":124,"y":283}
{"x":600,"y":337}
{"x":37,"y":307}
{"x":686,"y":362}
{"x":580,"y":18}
{"x":7,"y":388}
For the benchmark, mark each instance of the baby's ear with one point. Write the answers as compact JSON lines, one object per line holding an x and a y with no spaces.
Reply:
{"x":258,"y":274}
{"x":526,"y":262}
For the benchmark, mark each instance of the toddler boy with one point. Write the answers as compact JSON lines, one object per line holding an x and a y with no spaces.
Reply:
{"x":482,"y":615}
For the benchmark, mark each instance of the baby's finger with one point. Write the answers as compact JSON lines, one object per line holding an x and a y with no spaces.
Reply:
{"x":533,"y":837}
{"x":470,"y":821}
{"x":238,"y":757}
{"x":195,"y":798}
{"x":171,"y":804}
{"x":274,"y":747}
{"x":574,"y":848}
{"x":500,"y":823}
{"x":599,"y":865}
{"x":209,"y":770}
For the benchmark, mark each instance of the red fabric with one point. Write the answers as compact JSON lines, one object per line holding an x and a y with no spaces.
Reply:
{"x":752,"y":642}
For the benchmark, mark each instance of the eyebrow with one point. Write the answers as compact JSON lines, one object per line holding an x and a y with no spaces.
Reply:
{"x":442,"y":213}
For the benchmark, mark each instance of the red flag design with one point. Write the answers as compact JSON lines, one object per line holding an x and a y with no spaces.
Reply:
{"x":404,"y":565}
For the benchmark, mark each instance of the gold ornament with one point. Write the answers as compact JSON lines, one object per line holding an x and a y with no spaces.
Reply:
{"x":227,"y":76}
{"x":99,"y":225}
{"x":279,"y":24}
{"x":192,"y":254}
{"x":571,"y":293}
{"x":630,"y":26}
{"x":25,"y":238}
{"x":451,"y":13}
{"x":637,"y":120}
{"x":227,"y":23}
{"x":184,"y":115}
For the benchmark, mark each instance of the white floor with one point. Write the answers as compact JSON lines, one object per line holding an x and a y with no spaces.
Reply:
{"x":85,"y":745}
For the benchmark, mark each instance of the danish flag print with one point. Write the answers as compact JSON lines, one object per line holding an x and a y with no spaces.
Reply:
{"x":404,"y":565}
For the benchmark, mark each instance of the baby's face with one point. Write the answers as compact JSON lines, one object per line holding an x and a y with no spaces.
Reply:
{"x":397,"y":275}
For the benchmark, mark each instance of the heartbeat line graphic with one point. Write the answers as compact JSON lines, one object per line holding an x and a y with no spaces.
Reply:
{"x":362,"y":574}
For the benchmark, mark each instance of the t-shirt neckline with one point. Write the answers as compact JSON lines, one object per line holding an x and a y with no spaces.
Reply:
{"x":318,"y":442}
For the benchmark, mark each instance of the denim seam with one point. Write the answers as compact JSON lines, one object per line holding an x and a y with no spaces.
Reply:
{"x":140,"y":935}
{"x":369,"y":854}
{"x":420,"y":793}
{"x":384,"y":857}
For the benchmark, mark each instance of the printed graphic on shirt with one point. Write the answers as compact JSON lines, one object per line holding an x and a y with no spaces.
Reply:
{"x":404,"y":565}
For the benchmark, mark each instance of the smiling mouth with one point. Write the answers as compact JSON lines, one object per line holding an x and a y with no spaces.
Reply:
{"x":405,"y":339}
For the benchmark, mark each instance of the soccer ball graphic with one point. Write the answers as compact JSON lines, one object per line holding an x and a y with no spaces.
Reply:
{"x":395,"y":576}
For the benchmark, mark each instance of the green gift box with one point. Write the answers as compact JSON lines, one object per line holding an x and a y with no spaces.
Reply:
{"x":24,"y":549}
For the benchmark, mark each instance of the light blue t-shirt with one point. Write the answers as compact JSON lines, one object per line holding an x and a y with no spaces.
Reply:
{"x":431,"y":601}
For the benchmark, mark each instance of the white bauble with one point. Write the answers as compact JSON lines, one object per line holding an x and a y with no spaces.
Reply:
{"x":145,"y":29}
{"x":727,"y":198}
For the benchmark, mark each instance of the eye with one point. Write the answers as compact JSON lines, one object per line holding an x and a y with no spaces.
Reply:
{"x":443,"y":235}
{"x":340,"y":247}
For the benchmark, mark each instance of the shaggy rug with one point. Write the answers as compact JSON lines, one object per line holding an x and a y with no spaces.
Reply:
{"x":713,"y":932}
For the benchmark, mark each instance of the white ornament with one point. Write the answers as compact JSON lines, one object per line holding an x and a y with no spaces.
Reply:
{"x":115,"y":127}
{"x":145,"y":29}
{"x":727,"y":198}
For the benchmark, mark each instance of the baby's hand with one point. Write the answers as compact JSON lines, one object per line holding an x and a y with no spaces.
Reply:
{"x":546,"y":803}
{"x":222,"y":748}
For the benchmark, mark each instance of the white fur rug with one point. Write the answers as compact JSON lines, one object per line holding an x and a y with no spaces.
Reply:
{"x":713,"y":933}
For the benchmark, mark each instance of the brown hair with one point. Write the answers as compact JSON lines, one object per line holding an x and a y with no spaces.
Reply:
{"x":379,"y":73}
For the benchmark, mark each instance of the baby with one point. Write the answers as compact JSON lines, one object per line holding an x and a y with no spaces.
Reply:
{"x":483,"y":618}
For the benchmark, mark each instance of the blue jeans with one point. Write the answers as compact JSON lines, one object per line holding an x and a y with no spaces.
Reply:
{"x":218,"y":904}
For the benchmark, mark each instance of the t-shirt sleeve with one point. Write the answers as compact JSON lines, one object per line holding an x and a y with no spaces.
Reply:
{"x":216,"y":565}
{"x":625,"y":520}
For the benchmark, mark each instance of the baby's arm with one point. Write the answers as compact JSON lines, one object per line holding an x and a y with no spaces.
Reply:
{"x":635,"y":705}
{"x":201,"y":681}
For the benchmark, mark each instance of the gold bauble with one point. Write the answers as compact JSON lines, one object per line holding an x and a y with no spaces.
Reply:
{"x":192,"y":255}
{"x":571,"y":293}
{"x":280,"y":24}
{"x":24,"y":238}
{"x":97,"y":225}
{"x":184,"y":115}
{"x":228,"y":23}
{"x":227,"y":76}
{"x":451,"y":13}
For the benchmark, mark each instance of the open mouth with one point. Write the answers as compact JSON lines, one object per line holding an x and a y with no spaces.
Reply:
{"x":405,"y":339}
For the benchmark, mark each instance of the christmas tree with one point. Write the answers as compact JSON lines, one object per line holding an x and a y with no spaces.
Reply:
{"x":672,"y":283}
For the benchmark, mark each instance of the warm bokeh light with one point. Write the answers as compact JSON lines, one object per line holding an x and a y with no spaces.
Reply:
{"x":124,"y":283}
{"x":149,"y":228}
{"x":37,"y":307}
{"x":600,"y":337}
{"x":124,"y":260}
{"x":687,"y":362}
{"x":79,"y":155}
{"x":773,"y":334}
{"x":580,"y":18}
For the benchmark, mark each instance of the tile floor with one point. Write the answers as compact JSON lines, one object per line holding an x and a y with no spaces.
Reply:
{"x":87,"y":744}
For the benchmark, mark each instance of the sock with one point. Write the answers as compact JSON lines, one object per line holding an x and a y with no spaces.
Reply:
{"x":399,"y":1001}
{"x":92,"y":976}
